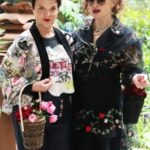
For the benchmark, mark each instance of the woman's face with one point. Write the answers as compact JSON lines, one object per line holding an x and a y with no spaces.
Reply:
{"x":45,"y":12}
{"x":100,"y":9}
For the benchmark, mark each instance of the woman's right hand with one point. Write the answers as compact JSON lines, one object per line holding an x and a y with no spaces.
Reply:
{"x":141,"y":80}
{"x":41,"y":86}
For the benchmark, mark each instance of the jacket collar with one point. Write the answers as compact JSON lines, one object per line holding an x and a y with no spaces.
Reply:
{"x":117,"y":27}
{"x":85,"y":33}
{"x":42,"y":51}
{"x":118,"y":34}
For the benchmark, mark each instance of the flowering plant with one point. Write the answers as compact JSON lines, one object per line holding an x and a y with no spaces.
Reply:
{"x":133,"y":90}
{"x":38,"y":110}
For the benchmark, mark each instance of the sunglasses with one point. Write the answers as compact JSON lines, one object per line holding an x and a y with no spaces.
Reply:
{"x":98,"y":1}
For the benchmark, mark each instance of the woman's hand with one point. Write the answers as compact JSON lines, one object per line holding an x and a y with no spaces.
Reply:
{"x":141,"y":80}
{"x":41,"y":86}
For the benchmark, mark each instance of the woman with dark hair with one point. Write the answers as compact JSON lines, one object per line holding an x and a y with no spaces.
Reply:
{"x":107,"y":54}
{"x":41,"y":56}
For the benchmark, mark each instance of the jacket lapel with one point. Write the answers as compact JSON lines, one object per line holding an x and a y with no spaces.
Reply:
{"x":42,"y":51}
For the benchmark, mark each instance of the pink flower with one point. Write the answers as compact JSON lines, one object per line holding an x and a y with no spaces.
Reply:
{"x":17,"y":80}
{"x":38,"y":68}
{"x":8,"y":90}
{"x":44,"y":105}
{"x":53,"y":118}
{"x":51,"y":109}
{"x":32,"y":118}
{"x":34,"y":112}
{"x":22,"y":60}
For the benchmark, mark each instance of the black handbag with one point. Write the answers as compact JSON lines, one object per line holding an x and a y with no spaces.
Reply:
{"x":133,"y":101}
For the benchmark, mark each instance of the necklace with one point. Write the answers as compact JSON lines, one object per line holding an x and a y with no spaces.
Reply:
{"x":99,"y":30}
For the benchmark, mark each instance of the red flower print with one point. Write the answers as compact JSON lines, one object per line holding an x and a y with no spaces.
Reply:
{"x":101,"y":49}
{"x":88,"y":128}
{"x":101,"y":115}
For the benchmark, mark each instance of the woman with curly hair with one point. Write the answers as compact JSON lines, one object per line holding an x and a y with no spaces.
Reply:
{"x":107,"y":54}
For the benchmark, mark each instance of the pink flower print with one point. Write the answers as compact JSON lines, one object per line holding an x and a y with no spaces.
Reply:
{"x":44,"y":105}
{"x":51,"y":109}
{"x":88,"y":128}
{"x":22,"y":60}
{"x":37,"y":68}
{"x":16,"y":80}
{"x":53,"y":118}
{"x":32,"y":118}
{"x":50,"y":103}
{"x":8,"y":90}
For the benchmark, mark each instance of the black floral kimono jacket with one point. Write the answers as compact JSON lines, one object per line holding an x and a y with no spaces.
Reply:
{"x":100,"y":69}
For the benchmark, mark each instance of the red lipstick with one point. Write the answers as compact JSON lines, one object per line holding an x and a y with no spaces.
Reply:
{"x":46,"y":20}
{"x":96,"y":10}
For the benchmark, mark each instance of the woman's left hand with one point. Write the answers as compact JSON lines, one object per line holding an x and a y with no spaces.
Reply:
{"x":141,"y":80}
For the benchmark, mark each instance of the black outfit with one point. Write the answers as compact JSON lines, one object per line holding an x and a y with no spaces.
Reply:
{"x":57,"y":136}
{"x":99,"y":71}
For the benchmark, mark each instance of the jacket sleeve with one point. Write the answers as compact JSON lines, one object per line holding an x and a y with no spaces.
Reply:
{"x":12,"y":70}
{"x":134,"y":61}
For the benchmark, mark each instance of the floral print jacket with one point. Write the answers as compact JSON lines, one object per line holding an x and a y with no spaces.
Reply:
{"x":99,"y":70}
{"x":21,"y":65}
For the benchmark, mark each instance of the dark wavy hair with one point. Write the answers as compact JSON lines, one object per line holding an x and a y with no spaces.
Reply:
{"x":115,"y":10}
{"x":33,"y":3}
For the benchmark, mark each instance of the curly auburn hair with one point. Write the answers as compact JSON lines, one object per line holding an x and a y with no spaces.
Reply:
{"x":116,"y":9}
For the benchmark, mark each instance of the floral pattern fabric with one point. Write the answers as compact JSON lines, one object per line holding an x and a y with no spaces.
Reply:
{"x":100,"y":69}
{"x":98,"y":123}
{"x":21,"y":65}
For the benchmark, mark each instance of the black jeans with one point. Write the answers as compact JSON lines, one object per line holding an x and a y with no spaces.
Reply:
{"x":57,"y":135}
{"x":87,"y":141}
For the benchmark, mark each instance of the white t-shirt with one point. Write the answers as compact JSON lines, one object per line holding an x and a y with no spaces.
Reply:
{"x":60,"y":68}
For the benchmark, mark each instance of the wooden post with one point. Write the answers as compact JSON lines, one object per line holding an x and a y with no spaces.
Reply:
{"x":7,"y":139}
